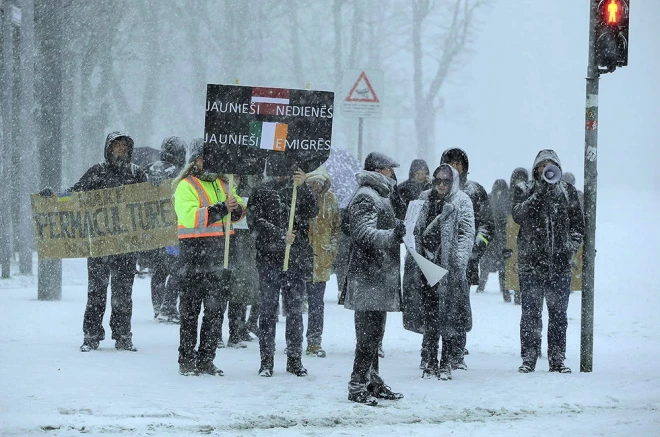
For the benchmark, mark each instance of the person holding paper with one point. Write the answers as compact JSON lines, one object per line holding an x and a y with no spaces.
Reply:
{"x":116,"y":270}
{"x":203,"y":204}
{"x":373,"y":284}
{"x":268,"y":217}
{"x":445,"y":231}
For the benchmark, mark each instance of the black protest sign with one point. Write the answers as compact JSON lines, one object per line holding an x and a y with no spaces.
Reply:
{"x":246,"y":125}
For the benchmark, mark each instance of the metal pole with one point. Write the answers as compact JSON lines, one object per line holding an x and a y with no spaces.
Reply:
{"x":359,"y":149}
{"x":590,"y":190}
{"x":7,"y":96}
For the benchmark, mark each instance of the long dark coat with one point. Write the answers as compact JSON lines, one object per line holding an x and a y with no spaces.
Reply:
{"x":373,"y":282}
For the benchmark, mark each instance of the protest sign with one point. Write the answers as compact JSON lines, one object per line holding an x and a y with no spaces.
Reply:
{"x":412,"y":214}
{"x":245,"y":125}
{"x":124,"y":219}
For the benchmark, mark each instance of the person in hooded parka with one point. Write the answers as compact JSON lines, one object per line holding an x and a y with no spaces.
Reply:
{"x":551,"y":230}
{"x":323,"y":237}
{"x":373,"y":285}
{"x":269,"y":208}
{"x":164,"y":262}
{"x":116,"y":270}
{"x":445,"y":233}
{"x":418,"y":181}
{"x":493,"y":258}
{"x":511,"y":283}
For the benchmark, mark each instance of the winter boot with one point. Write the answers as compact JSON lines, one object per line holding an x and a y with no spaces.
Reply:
{"x":208,"y":368}
{"x":235,"y":343}
{"x":315,"y":350}
{"x":294,"y":365}
{"x":459,"y":365}
{"x":384,"y":392}
{"x":363,"y":397}
{"x":125,"y":344}
{"x":187,"y":368}
{"x":221,"y":344}
{"x":89,"y":345}
{"x":430,"y":372}
{"x":245,"y":335}
{"x":266,"y":369}
{"x":444,"y":372}
{"x":559,"y":368}
{"x":526,"y":367}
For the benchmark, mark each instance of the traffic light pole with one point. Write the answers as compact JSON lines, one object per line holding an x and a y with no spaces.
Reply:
{"x":590,"y":190}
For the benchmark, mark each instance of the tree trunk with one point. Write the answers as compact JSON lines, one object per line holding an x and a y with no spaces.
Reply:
{"x":49,"y":89}
{"x":7,"y":139}
{"x":26,"y":176}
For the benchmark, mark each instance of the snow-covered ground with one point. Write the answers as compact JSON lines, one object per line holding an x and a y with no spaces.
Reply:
{"x":47,"y":387}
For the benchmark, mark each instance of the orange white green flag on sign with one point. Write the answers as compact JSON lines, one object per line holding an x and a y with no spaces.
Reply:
{"x":269,"y":135}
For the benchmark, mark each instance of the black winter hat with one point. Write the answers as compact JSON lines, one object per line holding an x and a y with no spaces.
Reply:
{"x":196,"y":149}
{"x":173,"y":150}
{"x":458,"y":155}
{"x":375,"y":161}
{"x":417,"y":164}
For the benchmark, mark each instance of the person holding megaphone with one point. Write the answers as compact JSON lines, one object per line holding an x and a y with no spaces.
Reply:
{"x":551,"y":229}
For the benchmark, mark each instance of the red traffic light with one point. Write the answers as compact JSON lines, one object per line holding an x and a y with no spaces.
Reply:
{"x":611,"y":11}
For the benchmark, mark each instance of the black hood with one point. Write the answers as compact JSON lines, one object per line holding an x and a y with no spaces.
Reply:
{"x":519,"y":175}
{"x":545,"y":155}
{"x":108,"y":142}
{"x":500,"y":186}
{"x":173,"y":150}
{"x":456,"y":154}
{"x":417,"y":164}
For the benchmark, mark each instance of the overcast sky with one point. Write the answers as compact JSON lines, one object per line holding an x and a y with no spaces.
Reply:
{"x":524,"y":90}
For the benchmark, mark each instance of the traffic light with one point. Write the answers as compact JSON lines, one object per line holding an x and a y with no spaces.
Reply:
{"x":612,"y":33}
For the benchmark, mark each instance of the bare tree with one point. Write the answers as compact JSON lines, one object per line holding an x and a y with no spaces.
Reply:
{"x":450,"y":45}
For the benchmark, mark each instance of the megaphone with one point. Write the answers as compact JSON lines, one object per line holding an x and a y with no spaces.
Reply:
{"x":551,"y":174}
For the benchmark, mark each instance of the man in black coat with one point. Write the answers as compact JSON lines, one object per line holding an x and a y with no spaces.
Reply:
{"x":117,"y":170}
{"x":551,"y":229}
{"x":164,"y":261}
{"x":268,"y":219}
{"x":373,"y":284}
{"x":483,"y":220}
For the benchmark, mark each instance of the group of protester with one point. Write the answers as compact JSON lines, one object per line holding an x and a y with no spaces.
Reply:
{"x":457,"y":225}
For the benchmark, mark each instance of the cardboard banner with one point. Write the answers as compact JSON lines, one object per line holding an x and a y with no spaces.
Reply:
{"x":125,"y":219}
{"x":245,"y":125}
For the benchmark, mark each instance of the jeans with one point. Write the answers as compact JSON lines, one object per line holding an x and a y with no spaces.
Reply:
{"x":556,"y":290}
{"x":292,"y":285}
{"x":315,"y":294}
{"x":119,"y":272}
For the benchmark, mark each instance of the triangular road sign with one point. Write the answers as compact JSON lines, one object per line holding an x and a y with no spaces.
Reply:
{"x":362,"y":91}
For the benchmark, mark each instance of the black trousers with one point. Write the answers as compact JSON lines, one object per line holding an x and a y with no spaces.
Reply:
{"x":119,"y":272}
{"x":164,"y":281}
{"x":236,"y":316}
{"x":369,"y":331}
{"x":199,"y":289}
{"x":453,"y":345}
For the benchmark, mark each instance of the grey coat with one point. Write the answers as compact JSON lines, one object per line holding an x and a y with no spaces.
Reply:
{"x":373,"y":282}
{"x":447,"y":241}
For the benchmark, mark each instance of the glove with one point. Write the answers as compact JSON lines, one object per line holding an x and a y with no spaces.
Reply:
{"x":217,"y":212}
{"x":47,"y":192}
{"x":480,"y":246}
{"x":156,"y":179}
{"x":332,"y":247}
{"x":399,"y":231}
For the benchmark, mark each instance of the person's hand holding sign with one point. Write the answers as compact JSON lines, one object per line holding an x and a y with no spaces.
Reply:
{"x":290,"y":237}
{"x":299,"y":177}
{"x":231,"y":203}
